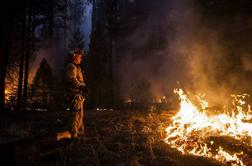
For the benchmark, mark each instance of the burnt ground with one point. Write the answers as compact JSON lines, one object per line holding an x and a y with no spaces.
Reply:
{"x":113,"y":137}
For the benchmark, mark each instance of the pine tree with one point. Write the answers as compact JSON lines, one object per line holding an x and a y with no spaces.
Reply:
{"x":42,"y":87}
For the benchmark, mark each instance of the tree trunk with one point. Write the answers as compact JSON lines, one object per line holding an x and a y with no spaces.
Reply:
{"x":3,"y":69}
{"x":43,"y":97}
{"x":27,"y":57}
{"x":114,"y":72}
{"x":5,"y":43}
{"x":111,"y":71}
{"x":20,"y":83}
{"x":51,"y":19}
{"x":21,"y":66}
{"x":65,"y":24}
{"x":4,"y":55}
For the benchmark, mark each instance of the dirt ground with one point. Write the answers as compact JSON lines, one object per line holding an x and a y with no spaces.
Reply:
{"x":113,"y":137}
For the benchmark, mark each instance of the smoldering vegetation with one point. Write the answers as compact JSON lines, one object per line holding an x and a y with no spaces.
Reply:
{"x":204,"y":47}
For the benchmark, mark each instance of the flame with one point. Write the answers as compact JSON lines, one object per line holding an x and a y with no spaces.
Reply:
{"x":162,"y":99}
{"x":6,"y":91}
{"x":7,"y":94}
{"x":129,"y":100}
{"x":192,"y":128}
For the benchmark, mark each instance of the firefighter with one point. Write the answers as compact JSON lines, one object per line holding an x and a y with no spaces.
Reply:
{"x":76,"y":91}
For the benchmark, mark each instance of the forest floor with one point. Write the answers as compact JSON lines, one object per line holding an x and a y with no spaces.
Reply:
{"x":113,"y":137}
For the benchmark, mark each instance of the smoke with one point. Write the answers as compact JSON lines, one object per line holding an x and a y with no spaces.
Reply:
{"x":55,"y":51}
{"x":147,"y":67}
{"x":173,"y":45}
{"x":212,"y":66}
{"x":200,"y":53}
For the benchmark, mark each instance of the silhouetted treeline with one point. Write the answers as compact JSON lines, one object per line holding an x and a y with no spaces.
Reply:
{"x":102,"y":62}
{"x":26,"y":26}
{"x":113,"y":21}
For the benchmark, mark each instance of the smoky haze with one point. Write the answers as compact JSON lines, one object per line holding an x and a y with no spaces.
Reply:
{"x":178,"y":45}
{"x":55,"y":52}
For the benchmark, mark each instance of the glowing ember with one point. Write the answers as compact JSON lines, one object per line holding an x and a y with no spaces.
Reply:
{"x":192,"y":129}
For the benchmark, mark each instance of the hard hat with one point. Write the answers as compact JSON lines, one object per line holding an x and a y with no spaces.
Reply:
{"x":78,"y":51}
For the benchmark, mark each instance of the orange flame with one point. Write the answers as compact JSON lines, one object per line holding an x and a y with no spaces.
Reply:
{"x":192,"y":128}
{"x":7,"y":94}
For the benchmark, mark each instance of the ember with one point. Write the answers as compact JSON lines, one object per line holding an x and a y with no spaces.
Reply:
{"x":192,"y":129}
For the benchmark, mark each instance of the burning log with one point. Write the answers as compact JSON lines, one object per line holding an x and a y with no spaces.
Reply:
{"x":15,"y":151}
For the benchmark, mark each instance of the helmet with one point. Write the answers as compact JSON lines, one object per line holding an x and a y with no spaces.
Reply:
{"x":78,"y":51}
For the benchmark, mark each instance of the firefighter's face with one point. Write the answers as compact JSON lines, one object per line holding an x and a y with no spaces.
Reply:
{"x":77,"y":58}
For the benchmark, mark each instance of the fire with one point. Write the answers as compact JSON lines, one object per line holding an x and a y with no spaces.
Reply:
{"x":192,"y":129}
{"x":129,"y":101}
{"x":162,"y":99}
{"x":7,"y":94}
{"x":6,"y":91}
